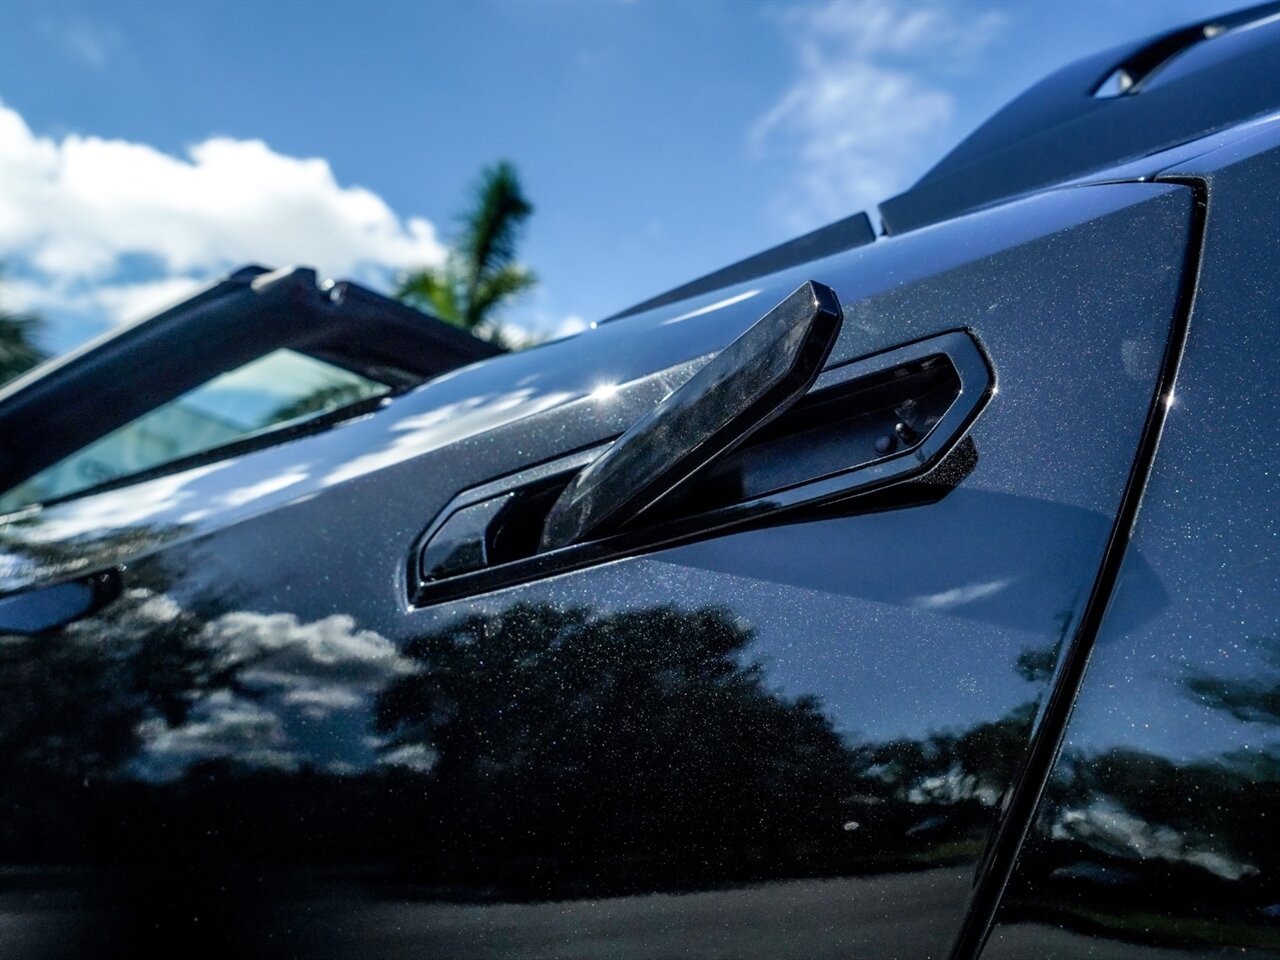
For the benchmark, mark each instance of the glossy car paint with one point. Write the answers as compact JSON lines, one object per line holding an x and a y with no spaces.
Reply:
{"x":1156,"y":836}
{"x":791,"y":740}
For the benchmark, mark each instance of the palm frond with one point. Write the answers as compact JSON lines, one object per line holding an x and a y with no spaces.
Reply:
{"x":481,"y":273}
{"x":434,"y":290}
{"x":499,"y":287}
{"x":19,"y":351}
{"x":492,"y":229}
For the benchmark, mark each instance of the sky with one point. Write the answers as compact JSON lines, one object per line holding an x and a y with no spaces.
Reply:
{"x":146,"y":148}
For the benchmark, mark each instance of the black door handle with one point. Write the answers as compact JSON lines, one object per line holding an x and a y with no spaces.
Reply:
{"x":748,"y":383}
{"x":863,"y":424}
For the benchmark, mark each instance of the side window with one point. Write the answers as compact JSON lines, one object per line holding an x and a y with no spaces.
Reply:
{"x":279,"y":389}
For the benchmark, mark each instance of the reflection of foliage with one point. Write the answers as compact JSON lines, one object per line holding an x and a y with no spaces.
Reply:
{"x":973,"y":766}
{"x":645,"y":747}
{"x":942,"y":787}
{"x":1035,"y":664}
{"x":1204,"y":805}
{"x":149,"y":688}
{"x":1252,"y":700}
{"x":71,"y":703}
{"x":637,"y":733}
{"x":321,"y":400}
{"x":30,"y":558}
{"x":538,"y":752}
{"x":1143,"y":846}
{"x":74,"y":701}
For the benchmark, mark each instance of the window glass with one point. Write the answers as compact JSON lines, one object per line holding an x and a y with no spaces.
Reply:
{"x":282,"y":387}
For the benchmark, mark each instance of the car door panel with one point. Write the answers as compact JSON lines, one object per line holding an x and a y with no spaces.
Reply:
{"x":1155,"y":835}
{"x":790,"y":739}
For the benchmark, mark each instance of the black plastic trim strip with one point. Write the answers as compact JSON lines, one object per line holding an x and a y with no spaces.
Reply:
{"x":1046,"y":741}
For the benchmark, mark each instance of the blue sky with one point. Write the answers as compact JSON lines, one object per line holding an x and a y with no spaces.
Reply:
{"x":147,"y":146}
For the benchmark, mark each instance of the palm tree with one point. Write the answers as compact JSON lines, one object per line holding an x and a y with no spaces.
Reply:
{"x":480,"y":273}
{"x":18,"y":350}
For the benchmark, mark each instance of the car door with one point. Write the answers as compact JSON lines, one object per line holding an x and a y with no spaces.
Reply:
{"x":1155,"y":835}
{"x":777,"y":715}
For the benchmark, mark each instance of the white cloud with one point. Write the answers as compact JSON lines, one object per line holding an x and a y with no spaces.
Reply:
{"x":221,"y":725}
{"x":413,"y":756}
{"x":300,"y":688}
{"x":959,"y":596}
{"x":114,"y":301}
{"x":77,"y":212}
{"x":866,"y":114}
{"x":279,"y":650}
{"x":1107,"y":826}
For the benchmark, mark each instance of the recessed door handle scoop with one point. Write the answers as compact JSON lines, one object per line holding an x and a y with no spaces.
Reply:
{"x":748,"y":383}
{"x":46,"y":608}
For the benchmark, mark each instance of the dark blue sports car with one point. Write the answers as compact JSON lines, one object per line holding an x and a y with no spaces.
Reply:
{"x":896,"y":593}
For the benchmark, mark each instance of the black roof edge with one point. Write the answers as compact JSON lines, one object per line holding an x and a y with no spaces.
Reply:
{"x":380,"y":334}
{"x":846,"y":234}
{"x":71,"y":400}
{"x":1059,"y":129}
